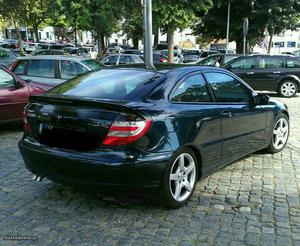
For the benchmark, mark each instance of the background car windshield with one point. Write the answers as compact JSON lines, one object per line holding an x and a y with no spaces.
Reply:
{"x":192,"y":52}
{"x":106,"y":84}
{"x":93,"y":64}
{"x":166,"y":53}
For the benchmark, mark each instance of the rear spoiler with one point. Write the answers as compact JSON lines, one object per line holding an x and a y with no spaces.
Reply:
{"x":113,"y":105}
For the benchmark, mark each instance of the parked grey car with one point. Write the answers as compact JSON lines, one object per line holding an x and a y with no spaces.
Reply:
{"x":120,"y":59}
{"x":7,"y":57}
{"x":53,"y":69}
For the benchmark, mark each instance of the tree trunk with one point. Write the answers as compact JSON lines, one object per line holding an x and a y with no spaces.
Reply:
{"x":156,"y":36}
{"x":100,"y":53}
{"x":271,"y":39}
{"x":36,"y":33}
{"x":239,"y":45}
{"x":135,"y":43}
{"x":102,"y":44}
{"x":170,"y":37}
{"x":19,"y":38}
{"x":75,"y":33}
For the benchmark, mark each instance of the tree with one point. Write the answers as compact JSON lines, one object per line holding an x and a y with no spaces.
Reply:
{"x":277,"y":15}
{"x":133,"y":24}
{"x":261,"y":14}
{"x":104,"y":19}
{"x":77,"y":15}
{"x":173,"y":14}
{"x":13,"y":11}
{"x":37,"y":11}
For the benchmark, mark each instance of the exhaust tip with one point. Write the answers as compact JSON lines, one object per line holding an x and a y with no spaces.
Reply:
{"x":37,"y":178}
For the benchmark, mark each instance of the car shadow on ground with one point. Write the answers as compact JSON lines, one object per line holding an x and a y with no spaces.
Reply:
{"x":11,"y":127}
{"x":107,"y":198}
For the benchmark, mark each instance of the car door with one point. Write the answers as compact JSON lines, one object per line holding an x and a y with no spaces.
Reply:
{"x":12,"y":98}
{"x":42,"y":71}
{"x":268,"y":72}
{"x":243,"y":124}
{"x":243,"y":67}
{"x":197,"y":119}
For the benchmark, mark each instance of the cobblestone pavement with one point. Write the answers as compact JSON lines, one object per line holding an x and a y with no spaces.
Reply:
{"x":254,"y":201}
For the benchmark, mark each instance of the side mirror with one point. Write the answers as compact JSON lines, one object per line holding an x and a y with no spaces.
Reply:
{"x":260,"y":99}
{"x":229,"y":68}
{"x":18,"y":84}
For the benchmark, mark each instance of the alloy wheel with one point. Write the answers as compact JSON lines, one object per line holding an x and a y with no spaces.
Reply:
{"x":182,"y":177}
{"x":280,"y":133}
{"x":288,"y":89}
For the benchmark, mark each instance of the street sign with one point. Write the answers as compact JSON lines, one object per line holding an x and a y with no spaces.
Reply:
{"x":245,"y":27}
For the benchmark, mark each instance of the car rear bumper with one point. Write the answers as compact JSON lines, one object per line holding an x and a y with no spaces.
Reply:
{"x":93,"y":168}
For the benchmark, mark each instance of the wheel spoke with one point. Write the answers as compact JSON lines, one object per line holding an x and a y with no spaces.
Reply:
{"x":277,"y":142}
{"x":181,"y":163}
{"x":285,"y":129}
{"x":177,"y":190}
{"x":174,"y":176}
{"x":281,"y":123}
{"x":187,"y":185}
{"x":190,"y":168}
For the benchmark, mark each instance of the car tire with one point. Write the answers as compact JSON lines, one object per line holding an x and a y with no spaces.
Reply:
{"x":288,"y":88}
{"x":180,"y":179}
{"x":279,"y":134}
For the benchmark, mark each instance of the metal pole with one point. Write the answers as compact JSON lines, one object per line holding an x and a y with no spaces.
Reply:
{"x":244,"y":48}
{"x":148,"y":53}
{"x":228,"y":25}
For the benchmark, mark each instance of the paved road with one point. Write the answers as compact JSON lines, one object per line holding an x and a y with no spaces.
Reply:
{"x":254,"y":201}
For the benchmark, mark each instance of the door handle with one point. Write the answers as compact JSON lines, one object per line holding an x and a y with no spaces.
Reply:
{"x":277,"y":72}
{"x":249,"y":73}
{"x":226,"y":114}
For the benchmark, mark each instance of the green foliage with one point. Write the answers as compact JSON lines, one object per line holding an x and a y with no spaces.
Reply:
{"x":280,"y":14}
{"x":133,"y":20}
{"x":180,"y":14}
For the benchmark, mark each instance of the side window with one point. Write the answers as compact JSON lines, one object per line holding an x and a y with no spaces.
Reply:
{"x":193,"y":89}
{"x":227,"y":88}
{"x":244,"y":63}
{"x":210,"y":61}
{"x":270,"y":62}
{"x":20,"y":67}
{"x":41,"y":68}
{"x":6,"y":80}
{"x":292,"y":63}
{"x":126,"y":60}
{"x":111,"y":60}
{"x":70,"y":69}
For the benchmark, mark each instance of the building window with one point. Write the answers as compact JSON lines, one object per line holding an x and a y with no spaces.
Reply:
{"x":291,"y":44}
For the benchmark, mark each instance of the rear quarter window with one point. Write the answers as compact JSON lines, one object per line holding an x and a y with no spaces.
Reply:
{"x":292,"y":63}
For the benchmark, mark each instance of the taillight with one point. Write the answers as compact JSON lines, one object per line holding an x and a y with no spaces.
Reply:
{"x":27,"y":127}
{"x":125,"y":132}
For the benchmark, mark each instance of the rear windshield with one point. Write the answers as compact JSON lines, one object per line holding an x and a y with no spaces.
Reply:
{"x":121,"y":84}
{"x":93,"y":64}
{"x":191,"y":52}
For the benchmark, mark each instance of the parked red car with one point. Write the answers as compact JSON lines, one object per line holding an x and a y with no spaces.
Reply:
{"x":14,"y":93}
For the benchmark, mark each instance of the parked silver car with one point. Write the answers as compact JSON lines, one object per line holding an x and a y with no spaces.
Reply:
{"x":53,"y":69}
{"x":120,"y":59}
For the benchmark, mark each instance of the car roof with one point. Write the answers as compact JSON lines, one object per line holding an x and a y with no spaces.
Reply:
{"x":166,"y":68}
{"x":54,"y":57}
